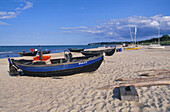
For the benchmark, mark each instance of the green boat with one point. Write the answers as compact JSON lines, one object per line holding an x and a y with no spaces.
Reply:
{"x":75,"y":50}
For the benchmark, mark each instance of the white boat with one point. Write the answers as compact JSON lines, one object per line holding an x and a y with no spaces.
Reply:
{"x":157,"y":46}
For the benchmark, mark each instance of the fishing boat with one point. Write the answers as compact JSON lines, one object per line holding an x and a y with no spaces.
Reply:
{"x":43,"y":66}
{"x":75,"y":50}
{"x":28,"y":53}
{"x":109,"y":52}
{"x":46,"y":52}
{"x":92,"y":53}
{"x":157,"y":46}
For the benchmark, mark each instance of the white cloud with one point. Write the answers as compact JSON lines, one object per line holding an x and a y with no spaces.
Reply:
{"x":2,"y":13}
{"x":3,"y":23}
{"x":154,"y":24}
{"x":8,"y":15}
{"x":73,"y":28}
{"x":18,"y":8}
{"x":82,"y":8}
{"x":115,"y":28}
{"x":13,"y":14}
{"x":168,"y":23}
{"x":28,"y":5}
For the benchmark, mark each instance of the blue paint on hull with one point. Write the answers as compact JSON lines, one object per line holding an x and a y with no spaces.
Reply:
{"x":56,"y":67}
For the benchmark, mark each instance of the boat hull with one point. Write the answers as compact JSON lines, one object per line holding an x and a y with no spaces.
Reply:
{"x":92,"y":53}
{"x":75,"y":50}
{"x":46,"y":52}
{"x":61,"y":69}
{"x":156,"y":47}
{"x":132,"y":48}
{"x":28,"y":54}
{"x":110,"y":52}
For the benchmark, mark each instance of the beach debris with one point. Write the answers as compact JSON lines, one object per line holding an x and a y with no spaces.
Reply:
{"x":154,"y":72}
{"x":128,"y":93}
{"x":159,"y":77}
{"x":160,"y":81}
{"x":142,"y":79}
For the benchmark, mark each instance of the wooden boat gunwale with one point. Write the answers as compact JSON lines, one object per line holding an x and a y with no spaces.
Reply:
{"x":57,"y":64}
{"x":95,"y":57}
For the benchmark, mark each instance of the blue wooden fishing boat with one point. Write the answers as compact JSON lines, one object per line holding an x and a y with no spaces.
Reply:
{"x":57,"y":67}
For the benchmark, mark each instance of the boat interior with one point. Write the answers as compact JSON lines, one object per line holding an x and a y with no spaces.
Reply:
{"x":67,"y":59}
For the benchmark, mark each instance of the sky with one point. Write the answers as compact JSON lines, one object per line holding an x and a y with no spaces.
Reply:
{"x":79,"y":22}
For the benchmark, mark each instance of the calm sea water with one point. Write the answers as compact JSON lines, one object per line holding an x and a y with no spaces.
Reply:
{"x":12,"y":51}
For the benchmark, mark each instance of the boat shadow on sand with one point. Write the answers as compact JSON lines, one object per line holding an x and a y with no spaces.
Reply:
{"x":20,"y":73}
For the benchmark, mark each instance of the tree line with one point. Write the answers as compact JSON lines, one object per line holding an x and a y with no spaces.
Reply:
{"x":165,"y":40}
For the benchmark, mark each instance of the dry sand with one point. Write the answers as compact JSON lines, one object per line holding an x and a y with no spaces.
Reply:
{"x":76,"y":93}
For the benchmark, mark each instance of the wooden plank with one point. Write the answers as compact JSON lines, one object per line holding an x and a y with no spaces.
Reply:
{"x":128,"y":93}
{"x":139,"y":84}
{"x":143,"y":79}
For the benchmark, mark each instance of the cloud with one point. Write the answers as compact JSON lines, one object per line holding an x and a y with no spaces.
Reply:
{"x":73,"y":28}
{"x":7,"y":15}
{"x":17,"y":11}
{"x":154,"y":24}
{"x":118,"y":29}
{"x":2,"y":13}
{"x":28,"y":5}
{"x":82,"y":8}
{"x":3,"y":23}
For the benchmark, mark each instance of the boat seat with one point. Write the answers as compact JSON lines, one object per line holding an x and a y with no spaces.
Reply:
{"x":39,"y":63}
{"x":45,"y":58}
{"x":27,"y":63}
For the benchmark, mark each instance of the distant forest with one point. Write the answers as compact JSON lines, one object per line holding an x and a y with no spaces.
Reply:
{"x":165,"y":40}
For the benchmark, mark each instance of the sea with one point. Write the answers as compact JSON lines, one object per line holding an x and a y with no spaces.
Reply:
{"x":12,"y":51}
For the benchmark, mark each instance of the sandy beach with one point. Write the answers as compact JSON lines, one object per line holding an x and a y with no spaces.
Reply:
{"x":77,"y":93}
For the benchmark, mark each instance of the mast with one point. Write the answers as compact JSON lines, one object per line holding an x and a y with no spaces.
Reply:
{"x":159,"y":35}
{"x":130,"y":33}
{"x":135,"y":34}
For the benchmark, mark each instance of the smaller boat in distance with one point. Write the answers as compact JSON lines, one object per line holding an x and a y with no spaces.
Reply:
{"x":34,"y":53}
{"x":131,"y":48}
{"x":156,"y":46}
{"x":46,"y":52}
{"x":134,"y":45}
{"x":109,"y":52}
{"x":75,"y":50}
{"x":92,"y":53}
